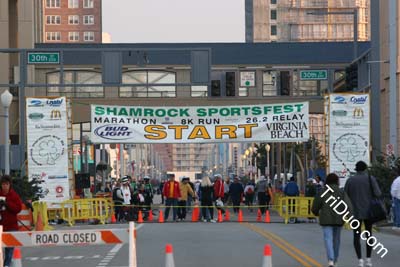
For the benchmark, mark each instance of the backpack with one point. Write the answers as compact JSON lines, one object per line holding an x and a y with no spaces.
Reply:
{"x":114,"y":195}
{"x":250,"y":191}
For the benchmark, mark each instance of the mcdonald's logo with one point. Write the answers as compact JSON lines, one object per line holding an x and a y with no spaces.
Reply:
{"x":55,"y":114}
{"x":358,"y":113}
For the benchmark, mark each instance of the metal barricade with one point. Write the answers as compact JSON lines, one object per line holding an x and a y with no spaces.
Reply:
{"x":86,"y":209}
{"x":296,"y":207}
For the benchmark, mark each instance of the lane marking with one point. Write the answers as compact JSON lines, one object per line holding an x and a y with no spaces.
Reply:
{"x":304,"y":259}
{"x":111,"y":254}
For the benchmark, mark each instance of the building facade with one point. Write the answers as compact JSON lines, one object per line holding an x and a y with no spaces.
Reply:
{"x":308,"y":20}
{"x":71,"y":21}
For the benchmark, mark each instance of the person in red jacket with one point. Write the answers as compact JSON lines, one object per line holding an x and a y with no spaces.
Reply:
{"x":10,"y":206}
{"x":171,"y":192}
{"x":218,"y":187}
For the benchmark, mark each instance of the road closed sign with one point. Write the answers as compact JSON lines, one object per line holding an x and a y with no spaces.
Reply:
{"x":65,"y":239}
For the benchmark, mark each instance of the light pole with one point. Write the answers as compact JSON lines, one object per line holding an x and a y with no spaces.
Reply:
{"x":267,"y":148}
{"x":353,"y":12}
{"x":6,"y":99}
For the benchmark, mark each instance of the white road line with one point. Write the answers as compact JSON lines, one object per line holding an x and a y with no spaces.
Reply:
{"x":111,"y":254}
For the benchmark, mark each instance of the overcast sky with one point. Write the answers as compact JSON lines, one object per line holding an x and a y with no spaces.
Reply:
{"x":169,"y":21}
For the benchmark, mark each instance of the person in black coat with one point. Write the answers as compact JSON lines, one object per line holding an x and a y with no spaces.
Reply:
{"x":236,"y":193}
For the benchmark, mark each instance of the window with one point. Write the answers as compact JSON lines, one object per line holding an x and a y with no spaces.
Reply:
{"x":88,"y":3}
{"x":273,"y":30}
{"x":273,"y":2}
{"x":73,"y":3}
{"x":269,"y":83}
{"x":88,"y":19}
{"x":145,"y":78}
{"x":73,"y":36}
{"x":199,"y":91}
{"x":52,"y":3}
{"x":53,"y":36}
{"x":88,"y":36}
{"x":73,"y":19}
{"x":73,"y":79}
{"x":273,"y":14}
{"x":55,"y":20}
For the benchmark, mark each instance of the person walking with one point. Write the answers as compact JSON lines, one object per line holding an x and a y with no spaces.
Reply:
{"x":395,"y":192}
{"x":236,"y":193}
{"x":330,"y":221}
{"x":10,"y":206}
{"x":118,"y":199}
{"x":206,"y":192}
{"x":358,"y":188}
{"x":186,"y":190}
{"x":249,"y":195}
{"x":172,"y":193}
{"x":219,"y":192}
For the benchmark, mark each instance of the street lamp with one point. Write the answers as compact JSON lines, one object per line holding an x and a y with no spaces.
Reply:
{"x":353,"y":12}
{"x":267,"y":148}
{"x":6,"y":99}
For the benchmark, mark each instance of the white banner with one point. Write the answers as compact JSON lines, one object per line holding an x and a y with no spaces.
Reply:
{"x":47,"y":146}
{"x":349,"y":133}
{"x":200,"y":124}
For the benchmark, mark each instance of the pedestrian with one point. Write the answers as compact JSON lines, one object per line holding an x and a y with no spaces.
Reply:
{"x":161,"y":191}
{"x":226,"y":190}
{"x":330,"y":221}
{"x":128,"y":198}
{"x":292,"y":190}
{"x":249,"y":190}
{"x":311,"y":188}
{"x":172,"y":193}
{"x":206,"y":191}
{"x":395,"y":192}
{"x":236,"y":193}
{"x":186,"y":190}
{"x":358,"y":188}
{"x":118,"y":199}
{"x":147,"y":193}
{"x":262,"y":192}
{"x":219,"y":192}
{"x":10,"y":206}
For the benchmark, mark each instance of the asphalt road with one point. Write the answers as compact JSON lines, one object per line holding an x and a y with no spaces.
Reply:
{"x":211,"y":244}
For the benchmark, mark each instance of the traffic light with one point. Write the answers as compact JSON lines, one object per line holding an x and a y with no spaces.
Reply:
{"x":352,"y":77}
{"x":215,"y":88}
{"x":230,"y":84}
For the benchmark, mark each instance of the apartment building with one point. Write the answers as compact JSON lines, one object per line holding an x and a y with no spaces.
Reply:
{"x":307,"y":20}
{"x":71,"y":21}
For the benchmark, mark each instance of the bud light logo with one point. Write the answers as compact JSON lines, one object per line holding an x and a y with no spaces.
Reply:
{"x":358,"y":100}
{"x":339,"y":99}
{"x":113,"y":132}
{"x":55,"y":102}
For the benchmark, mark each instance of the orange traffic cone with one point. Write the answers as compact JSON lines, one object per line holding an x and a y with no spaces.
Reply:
{"x":140,"y":217}
{"x":195,"y":214}
{"x":267,"y":260}
{"x":150,"y":219}
{"x":240,"y":216}
{"x":16,"y":261}
{"x":227,"y":218}
{"x":39,"y":223}
{"x":160,"y":217}
{"x":259,"y":216}
{"x":169,"y":256}
{"x":267,"y":217}
{"x":113,"y":219}
{"x":220,"y":216}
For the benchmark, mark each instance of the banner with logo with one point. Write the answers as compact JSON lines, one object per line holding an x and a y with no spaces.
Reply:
{"x":47,"y":146}
{"x":200,"y":124}
{"x":349,"y":133}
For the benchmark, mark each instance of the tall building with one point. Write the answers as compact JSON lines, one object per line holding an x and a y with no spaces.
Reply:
{"x":71,"y":21}
{"x":306,"y":20}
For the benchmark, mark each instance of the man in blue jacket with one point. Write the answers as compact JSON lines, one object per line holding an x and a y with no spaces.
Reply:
{"x":292,"y":190}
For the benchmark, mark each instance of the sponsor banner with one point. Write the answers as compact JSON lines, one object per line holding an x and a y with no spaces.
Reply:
{"x":200,"y":124}
{"x":48,"y":147}
{"x":349,"y":133}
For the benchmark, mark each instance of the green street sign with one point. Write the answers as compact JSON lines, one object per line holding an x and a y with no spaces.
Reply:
{"x":43,"y":58}
{"x":306,"y":75}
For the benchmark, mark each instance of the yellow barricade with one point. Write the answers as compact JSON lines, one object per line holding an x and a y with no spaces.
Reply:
{"x":295,"y":207}
{"x":85,"y":209}
{"x":41,"y":207}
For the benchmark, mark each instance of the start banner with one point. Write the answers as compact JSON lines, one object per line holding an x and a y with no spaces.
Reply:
{"x":287,"y":122}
